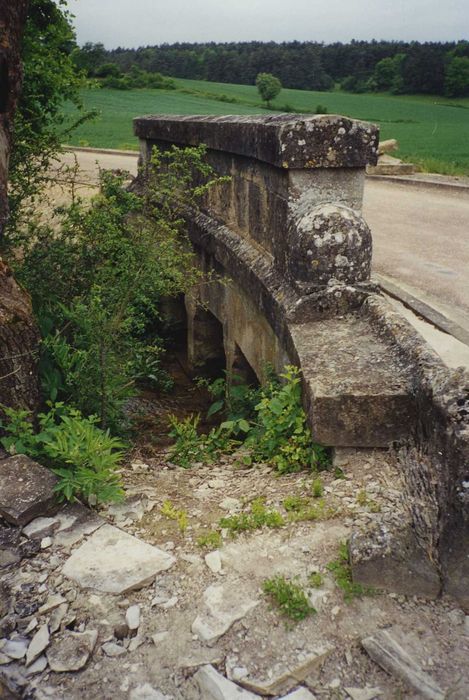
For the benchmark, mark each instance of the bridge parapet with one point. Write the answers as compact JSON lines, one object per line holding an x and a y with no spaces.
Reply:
{"x":295,"y":189}
{"x":287,"y":236}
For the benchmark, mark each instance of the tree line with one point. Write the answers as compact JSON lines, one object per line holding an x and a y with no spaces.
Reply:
{"x":439,"y":68}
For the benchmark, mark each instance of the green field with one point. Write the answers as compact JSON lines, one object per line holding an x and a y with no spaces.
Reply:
{"x":432,"y":131}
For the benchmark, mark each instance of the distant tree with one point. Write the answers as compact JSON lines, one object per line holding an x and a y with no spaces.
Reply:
{"x":457,"y":77}
{"x":387,"y":73}
{"x":108,"y":69}
{"x":268,"y":86}
{"x":90,"y":57}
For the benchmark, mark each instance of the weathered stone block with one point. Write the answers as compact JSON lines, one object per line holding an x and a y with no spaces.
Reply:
{"x":284,"y":140}
{"x":26,"y":490}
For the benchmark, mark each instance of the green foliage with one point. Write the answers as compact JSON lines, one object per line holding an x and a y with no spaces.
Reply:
{"x":282,"y":436}
{"x":268,"y":86}
{"x":274,"y":430}
{"x":188,"y":447}
{"x":295,"y":503}
{"x":289,"y":597}
{"x":97,"y":275}
{"x":210,"y":540}
{"x":180,"y":516}
{"x":315,"y":579}
{"x":84,"y":457}
{"x":258,"y":516}
{"x":231,"y":397}
{"x":50,"y":78}
{"x":342,"y":572}
{"x":457,"y":77}
{"x":317,"y":488}
{"x":316,"y":511}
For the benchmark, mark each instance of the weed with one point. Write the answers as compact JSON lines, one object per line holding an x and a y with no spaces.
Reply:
{"x":316,"y":511}
{"x":315,"y":579}
{"x":342,"y":572}
{"x":364,"y":500}
{"x":259,"y":516}
{"x":180,"y":516}
{"x":188,"y":447}
{"x":339,"y":473}
{"x":289,"y":597}
{"x":84,"y":457}
{"x":294,"y":503}
{"x":210,"y":540}
{"x":317,"y":488}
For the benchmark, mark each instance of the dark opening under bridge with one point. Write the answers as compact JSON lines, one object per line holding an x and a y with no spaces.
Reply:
{"x":293,"y":254}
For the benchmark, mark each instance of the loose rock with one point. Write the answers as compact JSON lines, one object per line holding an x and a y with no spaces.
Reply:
{"x":213,"y":561}
{"x":214,"y":686}
{"x":70,"y":651}
{"x":132,"y":617}
{"x":114,"y":562}
{"x":223,"y":606}
{"x":38,"y":644}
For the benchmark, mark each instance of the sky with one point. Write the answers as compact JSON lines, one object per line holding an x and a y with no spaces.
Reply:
{"x":133,"y":23}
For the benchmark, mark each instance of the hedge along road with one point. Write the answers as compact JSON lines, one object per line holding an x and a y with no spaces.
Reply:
{"x":420,"y":234}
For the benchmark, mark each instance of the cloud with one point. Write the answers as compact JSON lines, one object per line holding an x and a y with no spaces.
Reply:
{"x":134,"y":23}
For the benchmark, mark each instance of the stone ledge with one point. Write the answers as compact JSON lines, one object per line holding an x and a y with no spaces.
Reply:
{"x":285,"y":140}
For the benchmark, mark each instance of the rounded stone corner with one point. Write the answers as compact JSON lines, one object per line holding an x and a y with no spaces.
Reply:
{"x":331,"y":242}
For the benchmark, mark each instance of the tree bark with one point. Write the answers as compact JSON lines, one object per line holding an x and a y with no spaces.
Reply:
{"x":19,"y":337}
{"x":12,"y":22}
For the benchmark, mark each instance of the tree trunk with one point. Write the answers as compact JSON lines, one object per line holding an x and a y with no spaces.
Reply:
{"x":12,"y":21}
{"x":19,"y":337}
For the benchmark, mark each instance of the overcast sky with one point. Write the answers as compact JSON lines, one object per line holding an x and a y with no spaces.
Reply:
{"x":134,"y":23}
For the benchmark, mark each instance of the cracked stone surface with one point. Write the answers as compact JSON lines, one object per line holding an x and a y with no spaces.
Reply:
{"x":113,"y":561}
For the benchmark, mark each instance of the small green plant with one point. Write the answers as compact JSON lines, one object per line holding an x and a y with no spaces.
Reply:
{"x":342,"y":573}
{"x":84,"y":457}
{"x":258,"y":517}
{"x":316,"y":511}
{"x":188,"y":446}
{"x":295,"y":503}
{"x":180,"y":516}
{"x":282,"y":436}
{"x":210,"y":540}
{"x":364,"y":500}
{"x":315,"y":579}
{"x":317,"y":488}
{"x":289,"y":597}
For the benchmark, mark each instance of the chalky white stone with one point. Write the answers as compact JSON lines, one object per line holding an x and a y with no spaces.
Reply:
{"x":112,"y":561}
{"x":214,"y":686}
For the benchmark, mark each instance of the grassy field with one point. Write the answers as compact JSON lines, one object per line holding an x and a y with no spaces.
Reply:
{"x":433,"y":131}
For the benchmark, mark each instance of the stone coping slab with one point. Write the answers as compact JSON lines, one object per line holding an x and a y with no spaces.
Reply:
{"x":285,"y":140}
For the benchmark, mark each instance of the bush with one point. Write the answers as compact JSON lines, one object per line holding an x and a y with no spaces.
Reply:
{"x":270,"y":422}
{"x":84,"y":457}
{"x":268,"y":86}
{"x":97,"y":275}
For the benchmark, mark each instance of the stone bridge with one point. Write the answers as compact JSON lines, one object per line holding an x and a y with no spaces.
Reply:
{"x":292,"y":255}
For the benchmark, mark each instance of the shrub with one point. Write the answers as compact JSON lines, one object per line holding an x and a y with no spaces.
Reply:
{"x":84,"y":457}
{"x":97,"y":275}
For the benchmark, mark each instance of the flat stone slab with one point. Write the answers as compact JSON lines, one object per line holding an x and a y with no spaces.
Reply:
{"x":284,"y":677}
{"x":223,"y":605}
{"x":359,"y":394}
{"x":214,"y":686}
{"x":112,"y":561}
{"x":393,"y":651}
{"x":26,"y":490}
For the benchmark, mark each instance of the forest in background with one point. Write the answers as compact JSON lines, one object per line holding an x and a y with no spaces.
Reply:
{"x":437,"y":68}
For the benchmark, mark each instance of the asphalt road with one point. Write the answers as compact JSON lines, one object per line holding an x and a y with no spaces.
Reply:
{"x":420,"y":235}
{"x":421,"y":240}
